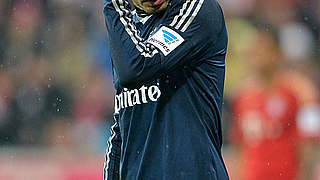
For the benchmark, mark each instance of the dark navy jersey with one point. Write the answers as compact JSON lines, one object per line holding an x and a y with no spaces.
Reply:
{"x":169,"y":71}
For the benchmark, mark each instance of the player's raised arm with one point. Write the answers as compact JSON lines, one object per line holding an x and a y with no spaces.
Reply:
{"x":191,"y":28}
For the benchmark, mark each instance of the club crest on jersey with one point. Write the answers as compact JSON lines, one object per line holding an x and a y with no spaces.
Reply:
{"x":129,"y":98}
{"x":166,"y":40}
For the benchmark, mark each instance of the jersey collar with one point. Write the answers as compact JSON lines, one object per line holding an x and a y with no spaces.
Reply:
{"x":141,"y":16}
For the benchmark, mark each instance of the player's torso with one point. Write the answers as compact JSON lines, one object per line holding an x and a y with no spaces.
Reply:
{"x":268,"y":129}
{"x":170,"y":126}
{"x":168,"y":129}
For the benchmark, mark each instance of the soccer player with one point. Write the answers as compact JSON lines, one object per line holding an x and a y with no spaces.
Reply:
{"x":168,"y":60}
{"x":266,"y":130}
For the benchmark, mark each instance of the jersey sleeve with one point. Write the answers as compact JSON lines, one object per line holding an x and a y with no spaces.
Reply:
{"x":194,"y":29}
{"x":112,"y":164}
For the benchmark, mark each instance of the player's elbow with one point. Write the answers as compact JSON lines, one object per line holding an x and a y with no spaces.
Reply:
{"x":136,"y":71}
{"x":128,"y":78}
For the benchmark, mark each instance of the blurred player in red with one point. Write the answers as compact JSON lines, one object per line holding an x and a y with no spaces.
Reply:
{"x":265,"y":127}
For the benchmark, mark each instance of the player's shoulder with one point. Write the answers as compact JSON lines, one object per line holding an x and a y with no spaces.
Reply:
{"x":301,"y":85}
{"x":200,"y":5}
{"x":205,"y":12}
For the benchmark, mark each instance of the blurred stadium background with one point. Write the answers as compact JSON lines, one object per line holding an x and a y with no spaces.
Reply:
{"x":56,"y":94}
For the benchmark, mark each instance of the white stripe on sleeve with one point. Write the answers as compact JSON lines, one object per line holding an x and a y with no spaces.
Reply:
{"x":194,"y":14}
{"x":175,"y":19}
{"x":186,"y":14}
{"x":109,"y":151}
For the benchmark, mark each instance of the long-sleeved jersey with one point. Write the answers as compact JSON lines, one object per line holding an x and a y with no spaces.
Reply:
{"x":169,"y":71}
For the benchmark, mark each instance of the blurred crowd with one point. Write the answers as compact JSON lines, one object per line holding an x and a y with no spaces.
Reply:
{"x":56,"y":86}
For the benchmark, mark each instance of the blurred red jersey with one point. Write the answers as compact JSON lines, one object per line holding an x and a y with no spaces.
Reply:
{"x":265,"y":129}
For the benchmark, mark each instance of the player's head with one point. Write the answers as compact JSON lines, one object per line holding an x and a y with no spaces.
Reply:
{"x":151,"y":6}
{"x":265,"y":53}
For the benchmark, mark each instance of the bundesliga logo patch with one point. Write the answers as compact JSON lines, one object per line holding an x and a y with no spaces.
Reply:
{"x":166,"y":40}
{"x":169,"y":38}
